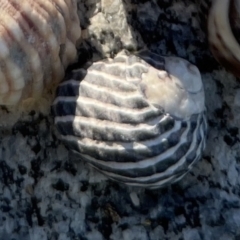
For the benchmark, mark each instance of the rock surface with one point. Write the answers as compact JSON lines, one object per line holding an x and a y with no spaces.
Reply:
{"x":47,"y":193}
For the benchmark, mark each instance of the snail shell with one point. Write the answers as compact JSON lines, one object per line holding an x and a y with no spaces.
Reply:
{"x":223,"y":33}
{"x":139,"y":119}
{"x":37,"y":42}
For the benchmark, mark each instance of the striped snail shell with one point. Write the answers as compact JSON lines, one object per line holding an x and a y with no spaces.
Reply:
{"x":224,"y":33}
{"x":37,"y":42}
{"x":139,"y":119}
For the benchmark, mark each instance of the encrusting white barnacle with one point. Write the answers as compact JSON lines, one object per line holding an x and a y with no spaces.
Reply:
{"x":139,"y":119}
{"x":223,"y":33}
{"x":37,"y":42}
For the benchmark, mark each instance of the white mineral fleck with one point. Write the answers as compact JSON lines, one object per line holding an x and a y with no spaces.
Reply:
{"x":37,"y":233}
{"x":135,"y":199}
{"x":94,"y":235}
{"x":135,"y":233}
{"x":190,"y":234}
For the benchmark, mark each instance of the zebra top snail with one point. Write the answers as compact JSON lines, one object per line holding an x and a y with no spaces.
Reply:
{"x":139,"y":119}
{"x":37,"y":42}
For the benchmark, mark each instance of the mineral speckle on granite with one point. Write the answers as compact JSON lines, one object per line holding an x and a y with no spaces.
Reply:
{"x":46,"y":193}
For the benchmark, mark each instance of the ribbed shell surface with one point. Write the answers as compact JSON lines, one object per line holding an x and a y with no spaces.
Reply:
{"x":105,"y":116}
{"x":37,"y":42}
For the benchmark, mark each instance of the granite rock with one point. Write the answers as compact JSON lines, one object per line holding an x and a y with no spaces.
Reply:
{"x":47,"y":193}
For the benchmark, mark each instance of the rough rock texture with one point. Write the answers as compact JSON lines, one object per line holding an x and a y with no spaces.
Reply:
{"x":46,"y":193}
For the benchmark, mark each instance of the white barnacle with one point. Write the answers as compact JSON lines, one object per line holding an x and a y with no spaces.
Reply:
{"x":181,"y":87}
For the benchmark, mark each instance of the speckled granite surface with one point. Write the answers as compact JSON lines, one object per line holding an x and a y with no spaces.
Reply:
{"x":46,"y":193}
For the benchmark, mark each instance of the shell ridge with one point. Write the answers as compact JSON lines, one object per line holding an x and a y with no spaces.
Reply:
{"x":116,"y":166}
{"x":113,"y":81}
{"x":33,"y":67}
{"x":145,"y":144}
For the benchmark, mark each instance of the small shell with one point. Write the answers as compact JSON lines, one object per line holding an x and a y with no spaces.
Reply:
{"x":138,"y":119}
{"x":37,"y":42}
{"x":223,"y":33}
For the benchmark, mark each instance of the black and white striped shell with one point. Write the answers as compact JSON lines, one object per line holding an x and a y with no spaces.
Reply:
{"x":139,"y":119}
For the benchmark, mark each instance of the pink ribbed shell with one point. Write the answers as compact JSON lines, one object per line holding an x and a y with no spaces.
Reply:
{"x":37,"y":42}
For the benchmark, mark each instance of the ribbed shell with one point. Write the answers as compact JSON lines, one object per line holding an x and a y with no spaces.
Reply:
{"x":107,"y":115}
{"x":37,"y":42}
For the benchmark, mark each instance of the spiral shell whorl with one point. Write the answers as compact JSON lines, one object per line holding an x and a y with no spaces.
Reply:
{"x":37,"y":42}
{"x":111,"y":117}
{"x":222,"y":32}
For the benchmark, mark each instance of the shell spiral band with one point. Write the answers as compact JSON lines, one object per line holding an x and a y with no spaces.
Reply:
{"x":139,"y":119}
